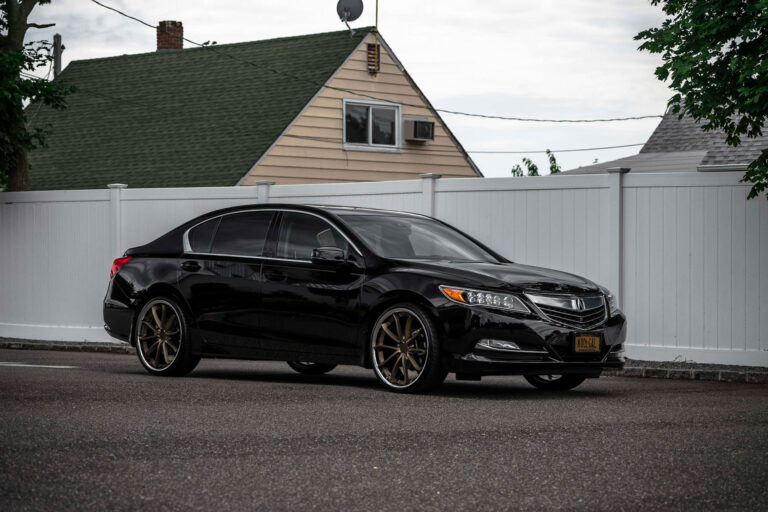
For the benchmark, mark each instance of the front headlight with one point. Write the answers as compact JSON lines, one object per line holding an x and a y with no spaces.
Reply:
{"x":494,"y":300}
{"x":610,"y":298}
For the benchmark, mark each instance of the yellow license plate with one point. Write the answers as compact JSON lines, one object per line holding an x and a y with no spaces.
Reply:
{"x":586,"y":343}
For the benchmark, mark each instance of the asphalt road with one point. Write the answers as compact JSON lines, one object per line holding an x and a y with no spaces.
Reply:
{"x":238,"y":435}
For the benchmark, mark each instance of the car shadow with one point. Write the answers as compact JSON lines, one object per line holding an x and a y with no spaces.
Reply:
{"x":516,"y":389}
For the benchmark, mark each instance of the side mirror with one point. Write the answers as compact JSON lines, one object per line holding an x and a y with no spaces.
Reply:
{"x":328,"y":256}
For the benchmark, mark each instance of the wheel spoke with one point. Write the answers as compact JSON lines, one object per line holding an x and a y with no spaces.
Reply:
{"x":158,"y":323}
{"x":169,"y":322}
{"x":174,"y":348}
{"x":385,"y":328}
{"x":165,"y":353}
{"x":388,"y":358}
{"x":395,"y":367}
{"x":397,"y":327}
{"x":148,"y":337}
{"x":403,"y":362}
{"x":418,"y":351}
{"x":416,"y":366}
{"x":148,"y":325}
{"x":408,"y":324}
{"x":381,"y":346}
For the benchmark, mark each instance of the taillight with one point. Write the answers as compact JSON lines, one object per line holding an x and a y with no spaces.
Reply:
{"x":118,"y":264}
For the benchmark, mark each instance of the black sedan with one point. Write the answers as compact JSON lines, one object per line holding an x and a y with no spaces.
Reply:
{"x":405,"y":294}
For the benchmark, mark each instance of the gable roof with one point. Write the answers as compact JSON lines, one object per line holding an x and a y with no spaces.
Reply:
{"x":173,"y":118}
{"x":680,"y":145}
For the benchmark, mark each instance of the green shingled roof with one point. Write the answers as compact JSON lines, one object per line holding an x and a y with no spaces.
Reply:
{"x":181,"y":118}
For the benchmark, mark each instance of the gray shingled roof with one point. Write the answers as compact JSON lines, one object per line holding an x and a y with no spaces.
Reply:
{"x":680,"y":145}
{"x":674,"y":134}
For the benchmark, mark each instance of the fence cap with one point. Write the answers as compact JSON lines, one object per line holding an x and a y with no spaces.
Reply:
{"x":265,"y":182}
{"x":431,"y":175}
{"x":617,"y":170}
{"x":117,"y":185}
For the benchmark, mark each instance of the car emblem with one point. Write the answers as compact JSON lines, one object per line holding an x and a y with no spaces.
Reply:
{"x":580,"y":304}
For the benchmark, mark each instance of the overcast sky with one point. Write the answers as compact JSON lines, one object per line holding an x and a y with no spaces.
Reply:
{"x":546,"y":59}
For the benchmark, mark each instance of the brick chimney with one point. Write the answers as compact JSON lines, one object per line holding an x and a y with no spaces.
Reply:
{"x":169,"y":35}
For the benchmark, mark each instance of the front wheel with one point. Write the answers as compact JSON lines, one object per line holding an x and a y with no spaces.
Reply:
{"x":307,"y":368}
{"x":404,"y":350}
{"x":162,"y":339}
{"x":555,"y":382}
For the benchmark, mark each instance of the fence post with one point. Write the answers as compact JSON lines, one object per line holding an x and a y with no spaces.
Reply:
{"x":262,"y":190}
{"x":616,"y":228}
{"x":428,"y":192}
{"x":116,"y":213}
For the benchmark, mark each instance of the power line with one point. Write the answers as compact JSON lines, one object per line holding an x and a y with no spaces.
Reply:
{"x":329,"y":140}
{"x":349,"y":91}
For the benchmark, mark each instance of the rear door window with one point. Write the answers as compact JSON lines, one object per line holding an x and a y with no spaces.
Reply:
{"x":242,"y":234}
{"x":300,"y":233}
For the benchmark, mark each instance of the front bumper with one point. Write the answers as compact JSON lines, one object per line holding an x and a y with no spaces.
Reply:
{"x":545,"y":348}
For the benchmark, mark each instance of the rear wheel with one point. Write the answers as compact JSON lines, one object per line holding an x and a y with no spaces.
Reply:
{"x":162,"y":339}
{"x":555,"y":382}
{"x":404,"y":350}
{"x":307,"y":368}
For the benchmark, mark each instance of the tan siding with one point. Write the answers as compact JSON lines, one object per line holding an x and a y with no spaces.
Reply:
{"x":321,"y":157}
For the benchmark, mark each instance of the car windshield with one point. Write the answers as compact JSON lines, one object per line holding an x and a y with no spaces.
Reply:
{"x":414,"y":238}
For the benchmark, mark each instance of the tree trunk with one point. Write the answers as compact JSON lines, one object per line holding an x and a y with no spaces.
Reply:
{"x":18,"y":173}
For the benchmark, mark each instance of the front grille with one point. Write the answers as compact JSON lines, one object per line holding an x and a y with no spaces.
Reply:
{"x":592,"y":315}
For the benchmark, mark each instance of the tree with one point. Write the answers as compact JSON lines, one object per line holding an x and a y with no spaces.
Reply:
{"x":533,"y":169}
{"x":715,"y":55}
{"x":17,"y":88}
{"x":554,"y":168}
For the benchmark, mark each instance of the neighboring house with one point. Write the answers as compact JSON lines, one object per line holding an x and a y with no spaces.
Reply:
{"x":680,"y":145}
{"x":318,"y":108}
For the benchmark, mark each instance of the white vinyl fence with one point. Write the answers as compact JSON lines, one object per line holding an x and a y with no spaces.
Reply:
{"x":686,"y":253}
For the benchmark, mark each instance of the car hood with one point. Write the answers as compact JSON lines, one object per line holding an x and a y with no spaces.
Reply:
{"x":513,"y":276}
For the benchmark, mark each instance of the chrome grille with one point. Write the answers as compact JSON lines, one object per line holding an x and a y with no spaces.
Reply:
{"x":572,"y":310}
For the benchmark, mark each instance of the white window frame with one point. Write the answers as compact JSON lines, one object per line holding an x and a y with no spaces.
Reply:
{"x":370,"y":146}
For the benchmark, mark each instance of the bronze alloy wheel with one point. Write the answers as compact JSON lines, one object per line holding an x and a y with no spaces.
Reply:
{"x":400,"y":348}
{"x":160,"y":335}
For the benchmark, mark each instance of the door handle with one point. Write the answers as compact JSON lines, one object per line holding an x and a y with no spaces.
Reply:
{"x":191,"y":266}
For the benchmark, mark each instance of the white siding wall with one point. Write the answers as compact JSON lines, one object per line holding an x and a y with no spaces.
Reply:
{"x":694,"y":272}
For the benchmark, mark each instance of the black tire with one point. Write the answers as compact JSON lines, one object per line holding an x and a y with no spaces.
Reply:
{"x":424,"y":351}
{"x":555,"y":382}
{"x":308,"y":368}
{"x":154,"y":344}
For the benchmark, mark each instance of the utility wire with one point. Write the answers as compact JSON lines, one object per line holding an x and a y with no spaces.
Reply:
{"x":329,"y":140}
{"x":349,"y":91}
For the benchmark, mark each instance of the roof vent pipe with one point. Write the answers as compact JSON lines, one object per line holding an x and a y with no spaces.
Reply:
{"x":57,"y":49}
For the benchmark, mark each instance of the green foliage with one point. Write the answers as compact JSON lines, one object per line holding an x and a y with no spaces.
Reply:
{"x":18,"y":59}
{"x":533,"y":169}
{"x":714,"y":54}
{"x":554,"y":168}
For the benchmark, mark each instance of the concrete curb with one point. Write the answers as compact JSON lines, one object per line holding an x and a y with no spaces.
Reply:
{"x":748,"y":377}
{"x":74,"y":346}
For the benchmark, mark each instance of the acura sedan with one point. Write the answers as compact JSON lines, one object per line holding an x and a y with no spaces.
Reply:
{"x":317,"y":286}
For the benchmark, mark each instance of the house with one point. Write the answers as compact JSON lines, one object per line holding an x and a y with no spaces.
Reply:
{"x":320,"y":108}
{"x":680,"y":145}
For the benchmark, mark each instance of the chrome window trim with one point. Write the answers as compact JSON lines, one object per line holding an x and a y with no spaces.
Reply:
{"x":188,"y":247}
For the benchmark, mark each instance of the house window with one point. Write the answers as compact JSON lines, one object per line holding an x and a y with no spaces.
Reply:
{"x":371,"y":126}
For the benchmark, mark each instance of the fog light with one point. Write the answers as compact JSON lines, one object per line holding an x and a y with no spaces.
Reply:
{"x":497,"y":345}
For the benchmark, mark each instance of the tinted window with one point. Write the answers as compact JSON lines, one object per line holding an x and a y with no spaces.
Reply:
{"x":357,"y":123}
{"x":242,"y":234}
{"x":384,"y":126}
{"x":411,"y":237}
{"x":300,"y":233}
{"x":200,"y":237}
